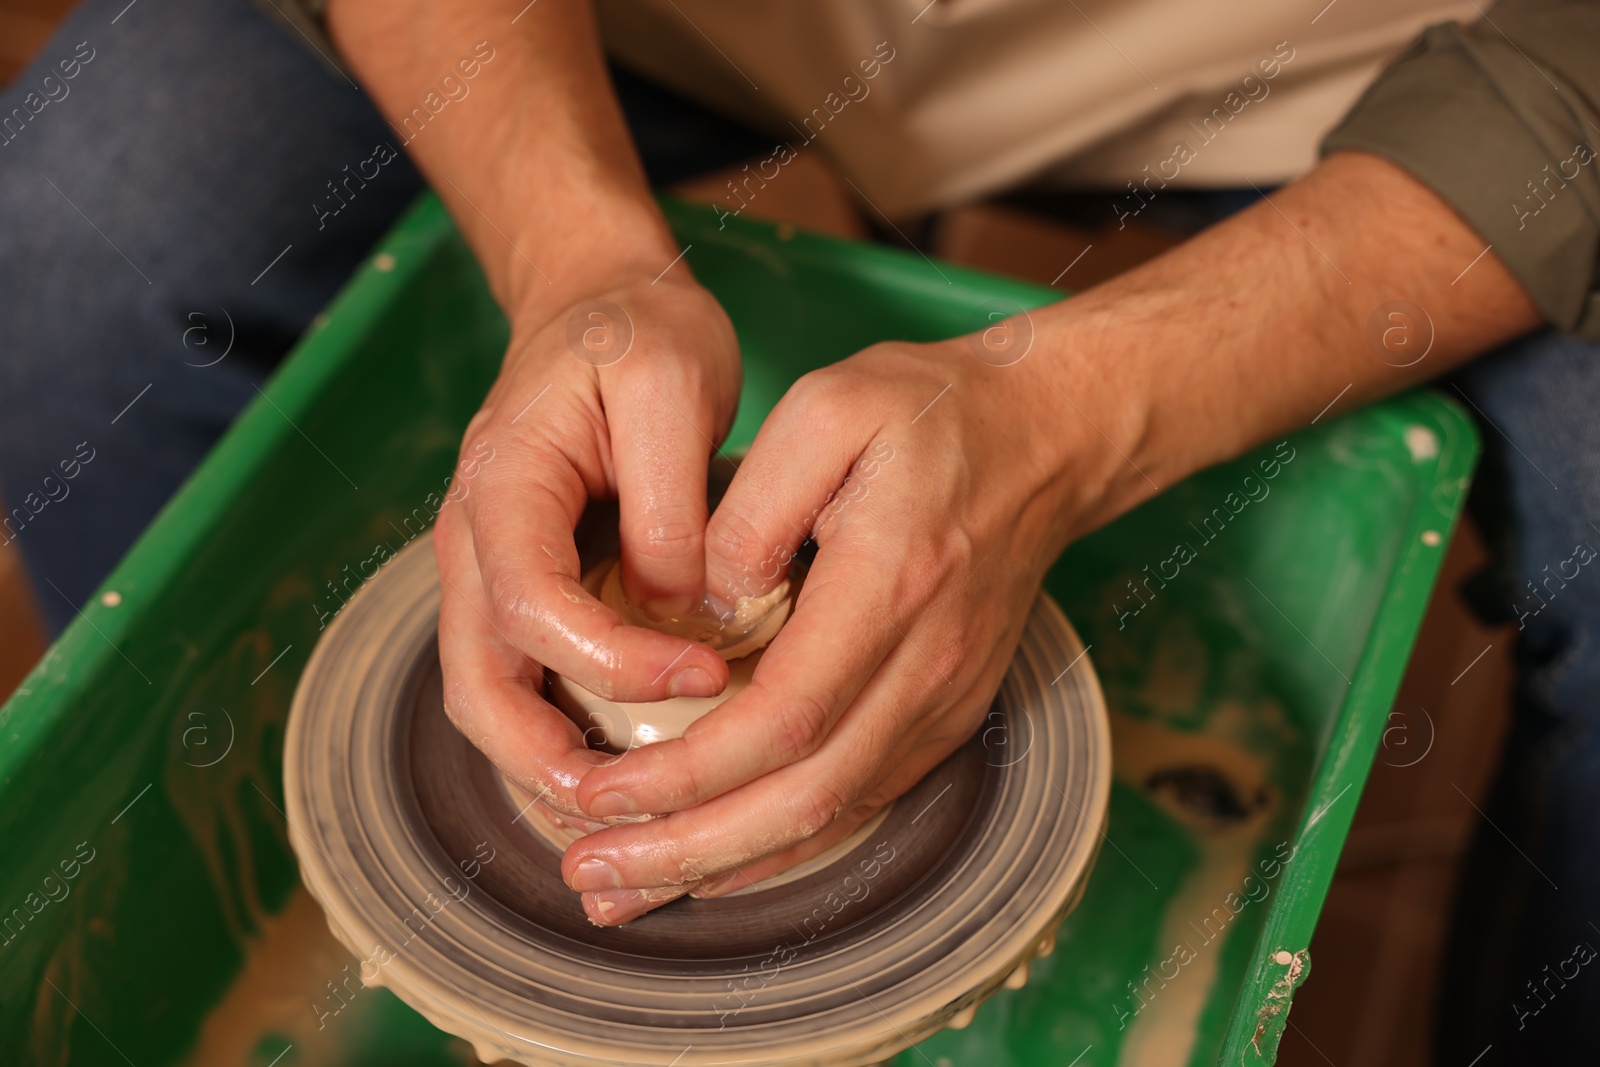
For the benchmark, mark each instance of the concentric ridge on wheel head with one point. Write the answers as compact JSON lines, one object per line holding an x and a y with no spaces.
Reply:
{"x":411,"y":842}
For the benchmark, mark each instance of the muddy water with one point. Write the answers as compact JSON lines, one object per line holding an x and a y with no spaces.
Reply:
{"x":1211,"y":763}
{"x":299,"y":997}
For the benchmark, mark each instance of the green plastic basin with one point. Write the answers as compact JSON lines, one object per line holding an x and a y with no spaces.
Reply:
{"x":145,"y":851}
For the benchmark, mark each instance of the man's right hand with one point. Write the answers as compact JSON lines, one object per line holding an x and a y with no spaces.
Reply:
{"x":619,"y":395}
{"x":620,"y":374}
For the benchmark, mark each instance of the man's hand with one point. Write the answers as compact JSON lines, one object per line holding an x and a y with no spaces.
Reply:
{"x":619,"y":396}
{"x":620,"y":374}
{"x":956,"y":482}
{"x":938,"y":489}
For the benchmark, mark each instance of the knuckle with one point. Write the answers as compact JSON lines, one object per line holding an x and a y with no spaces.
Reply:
{"x":815,"y":399}
{"x":817,"y":807}
{"x":797,"y":728}
{"x":915,"y":586}
{"x":670,"y":534}
{"x":958,"y":549}
{"x":896,"y":356}
{"x":735,"y":538}
{"x":457,"y":706}
{"x":479,"y":433}
{"x":947,"y":660}
{"x":951,"y":553}
{"x":690,"y":789}
{"x":511,"y":604}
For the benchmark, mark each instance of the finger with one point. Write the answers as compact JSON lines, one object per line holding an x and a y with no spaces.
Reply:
{"x":926,"y":741}
{"x":767,"y":817}
{"x":491,"y":691}
{"x":839,"y":634}
{"x":686,"y":847}
{"x":750,"y":874}
{"x":536,"y":812}
{"x":801,"y":456}
{"x":617,"y":906}
{"x":570,"y":822}
{"x":895,"y":779}
{"x":661,"y":445}
{"x":523,"y":513}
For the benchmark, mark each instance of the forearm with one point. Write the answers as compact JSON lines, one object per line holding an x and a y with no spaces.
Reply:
{"x":1252,"y":328}
{"x":531,"y":155}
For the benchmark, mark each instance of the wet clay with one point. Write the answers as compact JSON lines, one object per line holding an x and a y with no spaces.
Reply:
{"x":738,"y":635}
{"x":300,"y":988}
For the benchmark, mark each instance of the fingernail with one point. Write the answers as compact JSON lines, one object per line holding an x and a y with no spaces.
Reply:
{"x":609,"y":804}
{"x":613,"y":907}
{"x":598,"y":911}
{"x":593,"y":875}
{"x":692,"y":682}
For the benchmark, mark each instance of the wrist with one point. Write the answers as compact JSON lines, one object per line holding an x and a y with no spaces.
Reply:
{"x":1170,"y":376}
{"x":535,"y":165}
{"x":566,"y":245}
{"x":1094,"y":403}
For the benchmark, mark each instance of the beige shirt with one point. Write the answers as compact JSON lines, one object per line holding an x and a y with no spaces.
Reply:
{"x":922,"y":105}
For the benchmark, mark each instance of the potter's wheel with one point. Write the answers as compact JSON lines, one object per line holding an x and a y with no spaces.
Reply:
{"x":948,"y":897}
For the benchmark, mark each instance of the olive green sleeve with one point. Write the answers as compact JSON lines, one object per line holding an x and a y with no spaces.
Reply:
{"x":1500,"y":119}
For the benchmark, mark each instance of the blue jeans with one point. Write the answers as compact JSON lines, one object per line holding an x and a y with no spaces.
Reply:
{"x":159,"y":207}
{"x":1523,"y":969}
{"x":174,"y":195}
{"x":167,"y":200}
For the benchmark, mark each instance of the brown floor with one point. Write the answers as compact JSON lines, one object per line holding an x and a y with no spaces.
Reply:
{"x":1375,"y":957}
{"x":21,"y":635}
{"x":24,"y":27}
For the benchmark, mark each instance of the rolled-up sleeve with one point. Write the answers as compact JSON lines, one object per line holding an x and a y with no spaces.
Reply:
{"x":1500,"y":118}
